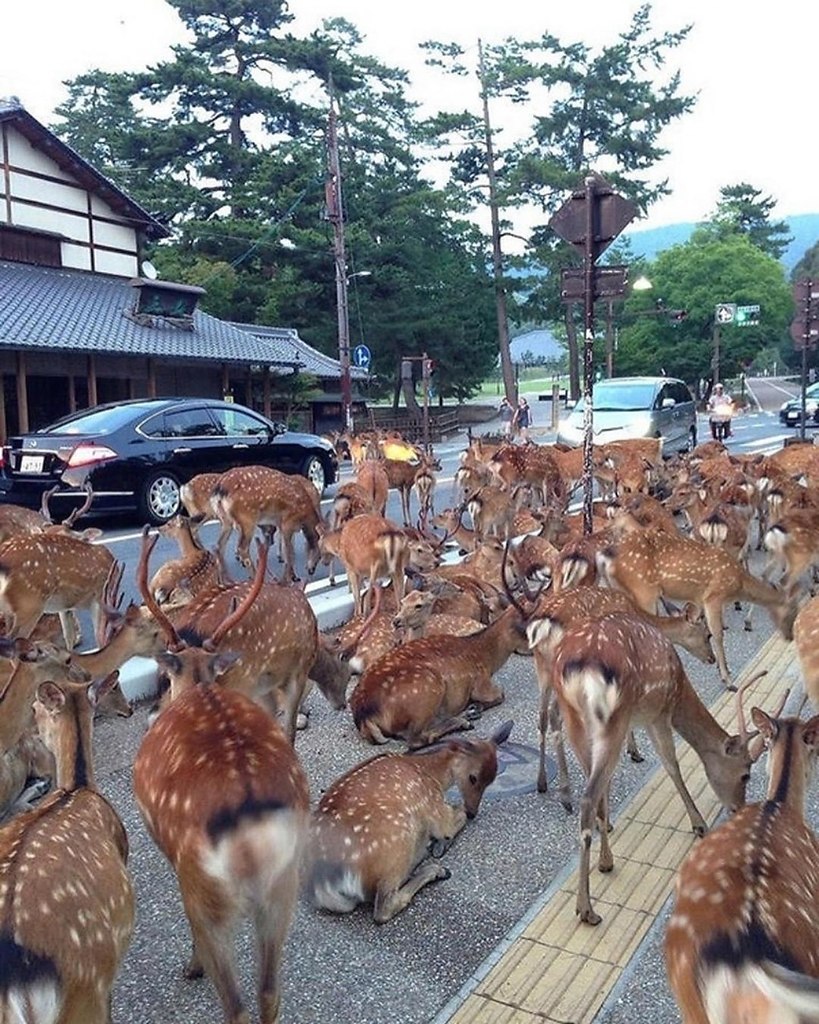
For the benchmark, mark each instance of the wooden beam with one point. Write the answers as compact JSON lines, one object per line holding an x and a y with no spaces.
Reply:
{"x":4,"y":432}
{"x":72,"y":394}
{"x":225,"y":380}
{"x":267,"y":405}
{"x":92,"y":380}
{"x":249,"y":389}
{"x":151,"y":379}
{"x":22,"y":394}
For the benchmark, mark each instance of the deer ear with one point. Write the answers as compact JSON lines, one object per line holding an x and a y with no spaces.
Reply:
{"x":223,"y":662}
{"x":766,"y":725}
{"x":51,"y":697}
{"x":501,"y":734}
{"x":810,"y":736}
{"x":98,"y":689}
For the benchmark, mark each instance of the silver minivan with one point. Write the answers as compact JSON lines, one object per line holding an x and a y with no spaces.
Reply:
{"x":630,"y":407}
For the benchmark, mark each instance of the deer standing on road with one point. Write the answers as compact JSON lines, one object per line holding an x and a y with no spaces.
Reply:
{"x":64,"y":929}
{"x":610,"y":675}
{"x":368,"y":546}
{"x":742,"y":943}
{"x":226,"y":800}
{"x":401,"y":798}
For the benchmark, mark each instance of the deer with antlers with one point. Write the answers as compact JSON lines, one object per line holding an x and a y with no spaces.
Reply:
{"x":419,"y":692}
{"x":619,"y":671}
{"x":373,"y":829}
{"x":64,"y":930}
{"x":742,"y":942}
{"x":52,"y":572}
{"x":224,"y":797}
{"x":276,"y":637}
{"x":651,"y":564}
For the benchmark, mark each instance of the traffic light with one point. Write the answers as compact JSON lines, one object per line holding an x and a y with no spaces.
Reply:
{"x":677,"y":315}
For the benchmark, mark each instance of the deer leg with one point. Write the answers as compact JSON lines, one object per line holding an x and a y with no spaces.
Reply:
{"x":288,"y":573}
{"x":423,"y":738}
{"x":355,"y":590}
{"x":272,"y":919}
{"x":662,"y":738}
{"x":556,"y":733}
{"x":69,"y":635}
{"x":631,"y":748}
{"x":213,"y":949}
{"x":486,"y":693}
{"x":712,"y":609}
{"x":84,"y":1004}
{"x":388,"y":903}
{"x":444,"y":830}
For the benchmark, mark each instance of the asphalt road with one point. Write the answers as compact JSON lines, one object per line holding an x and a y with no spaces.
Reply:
{"x":407,"y":970}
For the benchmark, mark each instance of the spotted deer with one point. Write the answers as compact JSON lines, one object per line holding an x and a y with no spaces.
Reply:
{"x":225,"y":799}
{"x":28,"y":759}
{"x":533,"y":466}
{"x":350,"y":500}
{"x":556,"y":612}
{"x":419,"y":692}
{"x":374,"y":828}
{"x":276,"y":637}
{"x":617,"y":672}
{"x":248,"y":497}
{"x":792,"y":544}
{"x":402,"y":475}
{"x":195,"y":570}
{"x":52,"y":572}
{"x":372,"y":478}
{"x":196,"y":496}
{"x":368,"y":546}
{"x":32,"y":662}
{"x":650,"y":565}
{"x":14,"y":520}
{"x":64,"y":929}
{"x":742,"y":943}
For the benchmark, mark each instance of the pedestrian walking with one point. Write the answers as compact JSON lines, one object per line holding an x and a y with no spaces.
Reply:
{"x":523,"y":419}
{"x":506,"y":415}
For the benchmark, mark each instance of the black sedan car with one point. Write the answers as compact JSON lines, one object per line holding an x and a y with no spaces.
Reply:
{"x":790,"y":412}
{"x":135,"y":455}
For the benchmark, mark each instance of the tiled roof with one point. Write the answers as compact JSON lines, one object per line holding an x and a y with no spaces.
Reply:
{"x":12,"y":111}
{"x":46,"y":308}
{"x":287,"y":345}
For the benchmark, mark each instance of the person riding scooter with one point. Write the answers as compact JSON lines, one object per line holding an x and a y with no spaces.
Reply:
{"x":720,"y":411}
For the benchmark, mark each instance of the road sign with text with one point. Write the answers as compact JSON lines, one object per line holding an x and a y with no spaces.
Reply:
{"x":609,"y":283}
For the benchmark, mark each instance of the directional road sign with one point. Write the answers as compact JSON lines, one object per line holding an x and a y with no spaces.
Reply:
{"x":609,"y":283}
{"x":747,"y":316}
{"x":362,"y":357}
{"x":725,"y":312}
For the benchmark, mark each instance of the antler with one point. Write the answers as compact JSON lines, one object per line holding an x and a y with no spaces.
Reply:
{"x":744,"y":735}
{"x":44,"y":510}
{"x":148,"y":544}
{"x":504,"y":560}
{"x":111,"y":601}
{"x":250,"y":597}
{"x":69,"y":521}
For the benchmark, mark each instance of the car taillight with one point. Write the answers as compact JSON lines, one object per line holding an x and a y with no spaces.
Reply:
{"x":84,"y":454}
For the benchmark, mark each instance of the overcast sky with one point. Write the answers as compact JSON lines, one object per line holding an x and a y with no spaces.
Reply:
{"x":751,"y":65}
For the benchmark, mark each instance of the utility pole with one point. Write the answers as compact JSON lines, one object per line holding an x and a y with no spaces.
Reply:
{"x":509,"y":383}
{"x":426,"y":366}
{"x":335,"y":214}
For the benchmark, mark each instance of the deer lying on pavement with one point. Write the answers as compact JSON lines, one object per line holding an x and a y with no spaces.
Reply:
{"x":224,"y":797}
{"x":419,"y":691}
{"x":742,"y":942}
{"x":64,"y":930}
{"x":29,"y":759}
{"x":401,"y":797}
{"x":611,"y":674}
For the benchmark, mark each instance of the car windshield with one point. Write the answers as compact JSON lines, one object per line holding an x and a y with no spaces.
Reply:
{"x":620,"y":397}
{"x":100,"y":421}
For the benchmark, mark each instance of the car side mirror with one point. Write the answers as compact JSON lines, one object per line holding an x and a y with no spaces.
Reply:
{"x":279,"y":428}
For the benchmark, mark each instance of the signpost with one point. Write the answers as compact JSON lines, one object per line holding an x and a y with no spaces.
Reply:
{"x":590,"y":220}
{"x":805,"y":330}
{"x":362,"y":357}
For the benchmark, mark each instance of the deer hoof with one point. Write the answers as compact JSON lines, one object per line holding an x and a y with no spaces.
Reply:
{"x":473,"y":712}
{"x":589,"y":916}
{"x":193,"y":970}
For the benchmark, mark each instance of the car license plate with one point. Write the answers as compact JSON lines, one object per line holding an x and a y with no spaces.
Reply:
{"x":31,"y":464}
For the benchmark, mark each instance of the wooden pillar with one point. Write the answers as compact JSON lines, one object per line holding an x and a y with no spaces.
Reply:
{"x":151,"y":379}
{"x":22,"y":394}
{"x":72,"y":394}
{"x":225,"y":380}
{"x":267,"y":405}
{"x":92,"y":380}
{"x":249,"y":388}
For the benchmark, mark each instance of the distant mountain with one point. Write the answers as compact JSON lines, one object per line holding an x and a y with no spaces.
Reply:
{"x":542,"y":344}
{"x":804,"y":227}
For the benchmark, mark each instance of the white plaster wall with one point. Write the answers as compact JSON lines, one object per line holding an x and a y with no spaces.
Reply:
{"x":55,"y":194}
{"x":23,"y":154}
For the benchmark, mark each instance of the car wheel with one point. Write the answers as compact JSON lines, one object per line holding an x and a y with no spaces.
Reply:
{"x":159,"y":499}
{"x":313,"y":469}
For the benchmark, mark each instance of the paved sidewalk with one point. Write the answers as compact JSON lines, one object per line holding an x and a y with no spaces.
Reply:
{"x":551,"y":968}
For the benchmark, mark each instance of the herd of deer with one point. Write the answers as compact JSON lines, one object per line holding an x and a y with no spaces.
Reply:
{"x":217,"y":776}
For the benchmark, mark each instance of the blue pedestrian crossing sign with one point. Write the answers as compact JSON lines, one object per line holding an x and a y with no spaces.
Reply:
{"x":362,"y":357}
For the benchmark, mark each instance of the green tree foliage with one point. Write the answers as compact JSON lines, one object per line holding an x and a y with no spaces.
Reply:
{"x":808,"y":266}
{"x":697,"y":277}
{"x":743,"y":210}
